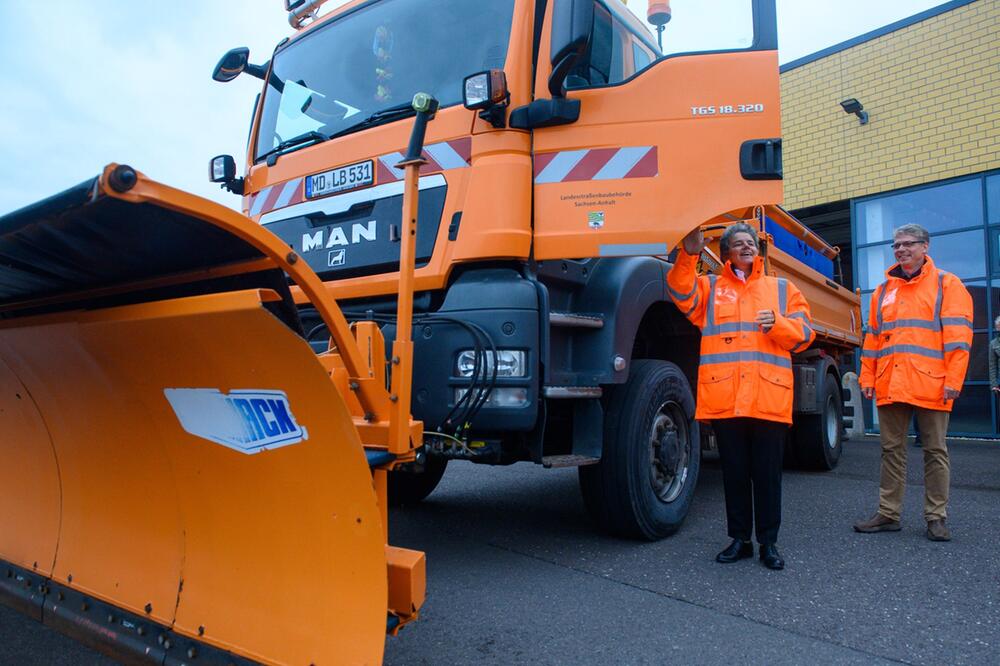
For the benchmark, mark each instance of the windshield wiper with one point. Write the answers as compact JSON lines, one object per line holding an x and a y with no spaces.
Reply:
{"x":311,"y":136}
{"x":385,"y":115}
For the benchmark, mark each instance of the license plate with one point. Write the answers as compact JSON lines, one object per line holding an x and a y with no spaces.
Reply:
{"x":339,"y":179}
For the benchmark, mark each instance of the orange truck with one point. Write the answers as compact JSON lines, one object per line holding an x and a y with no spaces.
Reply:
{"x":570,"y":154}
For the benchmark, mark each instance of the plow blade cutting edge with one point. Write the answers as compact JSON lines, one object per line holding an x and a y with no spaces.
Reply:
{"x":181,"y":481}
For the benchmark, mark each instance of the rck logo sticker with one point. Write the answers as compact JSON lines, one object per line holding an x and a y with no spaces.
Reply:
{"x":249,"y":421}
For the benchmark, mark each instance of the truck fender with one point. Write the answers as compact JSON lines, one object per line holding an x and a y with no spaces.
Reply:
{"x":621,"y":290}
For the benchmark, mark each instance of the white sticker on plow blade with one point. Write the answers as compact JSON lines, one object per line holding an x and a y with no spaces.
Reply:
{"x":248,"y":421}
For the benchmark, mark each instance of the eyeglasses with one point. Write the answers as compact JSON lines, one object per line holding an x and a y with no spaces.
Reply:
{"x":907,"y":244}
{"x":742,"y":243}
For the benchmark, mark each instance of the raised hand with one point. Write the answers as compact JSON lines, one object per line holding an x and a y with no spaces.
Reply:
{"x":694,"y":242}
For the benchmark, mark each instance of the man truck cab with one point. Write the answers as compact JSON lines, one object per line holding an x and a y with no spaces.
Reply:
{"x":568,"y":157}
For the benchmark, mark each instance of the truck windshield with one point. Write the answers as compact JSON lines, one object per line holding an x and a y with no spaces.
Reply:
{"x":376,"y":58}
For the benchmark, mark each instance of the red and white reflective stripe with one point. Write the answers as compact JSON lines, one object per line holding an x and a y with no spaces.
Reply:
{"x":276,"y":196}
{"x":596,"y":164}
{"x":440,"y":157}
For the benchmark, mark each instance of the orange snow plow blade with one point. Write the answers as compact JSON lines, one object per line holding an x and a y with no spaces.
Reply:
{"x":182,"y":481}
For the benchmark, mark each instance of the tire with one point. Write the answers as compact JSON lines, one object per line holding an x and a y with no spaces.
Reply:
{"x":644,"y":484}
{"x":818,"y":438}
{"x":404,"y":488}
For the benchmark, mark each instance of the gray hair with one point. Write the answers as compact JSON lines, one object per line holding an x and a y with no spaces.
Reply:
{"x":732,"y":231}
{"x":996,"y":322}
{"x":914,"y":230}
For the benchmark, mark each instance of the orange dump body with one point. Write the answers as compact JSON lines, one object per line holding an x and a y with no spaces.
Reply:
{"x":835,"y":310}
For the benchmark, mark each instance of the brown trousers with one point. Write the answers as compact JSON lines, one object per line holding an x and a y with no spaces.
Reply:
{"x":894,"y":421}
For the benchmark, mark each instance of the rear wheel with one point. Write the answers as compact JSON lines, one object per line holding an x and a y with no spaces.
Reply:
{"x":406,"y":487}
{"x":643,"y":486}
{"x":818,"y":439}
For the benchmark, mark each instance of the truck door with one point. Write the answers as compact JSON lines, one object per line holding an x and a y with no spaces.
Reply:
{"x":663,"y":141}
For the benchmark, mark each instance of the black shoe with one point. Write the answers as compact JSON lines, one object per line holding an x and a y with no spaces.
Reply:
{"x":770,"y":556}
{"x":737,"y":550}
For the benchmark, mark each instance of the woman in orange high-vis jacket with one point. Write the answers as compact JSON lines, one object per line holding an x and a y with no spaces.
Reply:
{"x":750,"y":323}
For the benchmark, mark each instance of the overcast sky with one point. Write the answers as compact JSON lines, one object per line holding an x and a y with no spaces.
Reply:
{"x":83,"y":84}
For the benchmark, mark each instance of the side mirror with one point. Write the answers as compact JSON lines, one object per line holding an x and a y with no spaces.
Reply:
{"x":235,"y":62}
{"x":572,"y":25}
{"x":222,"y":170}
{"x":488,"y":92}
{"x":232,"y":64}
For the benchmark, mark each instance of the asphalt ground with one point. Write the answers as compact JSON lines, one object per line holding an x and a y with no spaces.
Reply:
{"x":517,"y":575}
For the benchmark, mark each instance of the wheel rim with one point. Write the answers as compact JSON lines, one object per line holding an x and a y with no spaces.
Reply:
{"x":832,"y":425}
{"x":669,"y":451}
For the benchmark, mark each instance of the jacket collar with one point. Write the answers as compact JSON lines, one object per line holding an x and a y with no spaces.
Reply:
{"x":755,"y":272}
{"x":895,"y":272}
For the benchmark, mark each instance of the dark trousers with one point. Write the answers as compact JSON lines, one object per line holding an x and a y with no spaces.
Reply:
{"x":752,"y":452}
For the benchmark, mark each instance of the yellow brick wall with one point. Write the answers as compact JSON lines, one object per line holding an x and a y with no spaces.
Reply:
{"x":932,"y":91}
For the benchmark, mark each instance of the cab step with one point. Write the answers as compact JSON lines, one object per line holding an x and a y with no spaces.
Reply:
{"x":573,"y":320}
{"x":572,"y":392}
{"x":570,"y":460}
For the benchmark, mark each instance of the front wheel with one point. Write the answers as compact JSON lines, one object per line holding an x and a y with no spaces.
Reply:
{"x":405,"y":487}
{"x":644,"y":484}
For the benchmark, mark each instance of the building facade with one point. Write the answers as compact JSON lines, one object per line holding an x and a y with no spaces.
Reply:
{"x":902,"y":125}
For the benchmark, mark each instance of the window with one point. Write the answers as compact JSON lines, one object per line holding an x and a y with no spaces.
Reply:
{"x":961,"y":253}
{"x":641,"y":56}
{"x":721,"y":25}
{"x":993,"y":199}
{"x":941,"y":208}
{"x":603,"y":62}
{"x":620,"y":47}
{"x":994,"y":241}
{"x":980,"y":306}
{"x":873,"y":262}
{"x":979,"y":368}
{"x":333,"y":78}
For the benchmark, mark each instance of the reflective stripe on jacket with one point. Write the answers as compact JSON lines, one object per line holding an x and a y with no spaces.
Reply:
{"x":743,"y":371}
{"x":918,"y":338}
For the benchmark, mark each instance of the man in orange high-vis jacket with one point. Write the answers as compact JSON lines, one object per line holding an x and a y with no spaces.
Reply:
{"x":914,"y":358}
{"x":750,"y":322}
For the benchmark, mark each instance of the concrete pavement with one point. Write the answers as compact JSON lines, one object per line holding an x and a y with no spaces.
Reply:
{"x":516,"y":575}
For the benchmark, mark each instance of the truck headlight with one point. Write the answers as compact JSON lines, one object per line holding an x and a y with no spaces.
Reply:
{"x":510,"y":363}
{"x":500,"y":397}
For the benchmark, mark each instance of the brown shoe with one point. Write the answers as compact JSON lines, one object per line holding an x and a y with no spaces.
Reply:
{"x":877,"y":523}
{"x":937,"y":530}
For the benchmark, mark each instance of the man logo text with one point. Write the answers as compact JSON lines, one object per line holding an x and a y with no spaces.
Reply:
{"x":337,"y":236}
